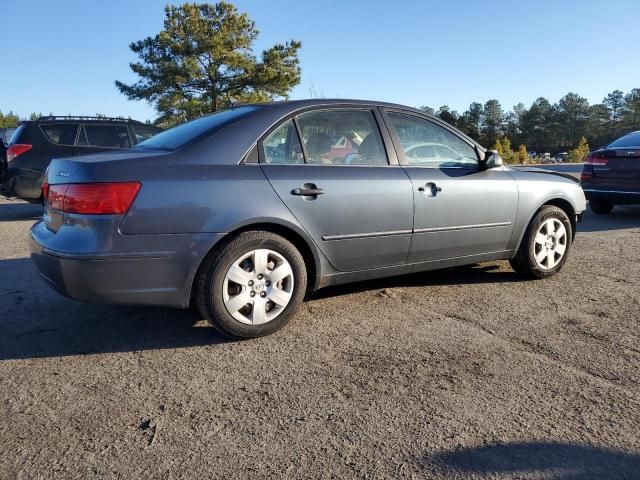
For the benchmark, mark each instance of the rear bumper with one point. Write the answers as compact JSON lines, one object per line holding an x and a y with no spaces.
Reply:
{"x":612,"y":195}
{"x":25,"y":184}
{"x":161,"y":278}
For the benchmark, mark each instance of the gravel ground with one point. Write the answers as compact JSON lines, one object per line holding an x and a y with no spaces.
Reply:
{"x":464,"y":373}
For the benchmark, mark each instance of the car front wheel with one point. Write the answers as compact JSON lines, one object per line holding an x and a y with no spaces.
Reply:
{"x":252,"y":285}
{"x":546,"y":244}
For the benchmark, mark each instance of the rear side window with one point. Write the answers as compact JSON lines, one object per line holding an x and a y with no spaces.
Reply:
{"x":342,"y":137}
{"x":144,"y":132}
{"x":60,"y":133}
{"x":108,"y":136}
{"x":631,"y":140}
{"x":283,"y":145}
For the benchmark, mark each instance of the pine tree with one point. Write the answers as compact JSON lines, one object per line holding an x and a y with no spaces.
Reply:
{"x":507,"y":151}
{"x":580,"y":152}
{"x":202,"y":61}
{"x":522,"y":156}
{"x":498,"y":147}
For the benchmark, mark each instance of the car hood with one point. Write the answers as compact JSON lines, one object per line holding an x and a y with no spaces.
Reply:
{"x":543,"y":170}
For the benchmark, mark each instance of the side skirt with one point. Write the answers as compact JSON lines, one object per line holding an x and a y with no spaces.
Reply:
{"x":361,"y":275}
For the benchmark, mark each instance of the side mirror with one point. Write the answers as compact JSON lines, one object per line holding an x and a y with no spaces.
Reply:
{"x":492,"y":159}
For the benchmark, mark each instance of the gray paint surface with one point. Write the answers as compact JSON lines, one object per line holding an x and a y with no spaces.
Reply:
{"x":371,"y":221}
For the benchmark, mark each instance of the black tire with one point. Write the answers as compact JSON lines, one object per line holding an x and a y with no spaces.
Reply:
{"x":210,"y":281}
{"x":600,"y":208}
{"x":524,"y":262}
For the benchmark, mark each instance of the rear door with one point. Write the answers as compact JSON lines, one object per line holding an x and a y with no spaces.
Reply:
{"x":354,"y":202}
{"x":460,"y":210}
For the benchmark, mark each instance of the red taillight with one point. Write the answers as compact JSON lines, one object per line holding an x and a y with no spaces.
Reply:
{"x":45,"y":190}
{"x":17,"y":149}
{"x":55,"y":196}
{"x":93,"y":198}
{"x":595,"y":159}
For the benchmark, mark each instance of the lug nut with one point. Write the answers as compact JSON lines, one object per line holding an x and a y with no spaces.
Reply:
{"x":250,"y":283}
{"x":267,"y":283}
{"x":260,"y":277}
{"x":252,"y":294}
{"x":263,"y":294}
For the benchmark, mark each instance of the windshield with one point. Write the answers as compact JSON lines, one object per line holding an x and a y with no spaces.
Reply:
{"x":185,"y":133}
{"x":631,"y":140}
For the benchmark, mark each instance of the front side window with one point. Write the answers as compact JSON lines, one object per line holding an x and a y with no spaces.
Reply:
{"x":60,"y":133}
{"x":283,"y":145}
{"x":109,"y":136}
{"x":342,"y":137}
{"x":428,"y":144}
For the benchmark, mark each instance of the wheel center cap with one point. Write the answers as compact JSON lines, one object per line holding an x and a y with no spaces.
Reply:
{"x":258,"y":286}
{"x":549,"y":243}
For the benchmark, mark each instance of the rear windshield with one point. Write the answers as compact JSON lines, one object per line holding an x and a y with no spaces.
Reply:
{"x":178,"y":136}
{"x":631,"y":140}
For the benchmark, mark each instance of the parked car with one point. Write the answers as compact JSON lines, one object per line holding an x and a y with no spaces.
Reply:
{"x":243,"y":211}
{"x":36,"y":142}
{"x":561,"y":157}
{"x":611,"y":174}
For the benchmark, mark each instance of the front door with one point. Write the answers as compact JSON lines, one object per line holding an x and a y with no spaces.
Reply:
{"x":460,"y":210}
{"x":339,"y":185}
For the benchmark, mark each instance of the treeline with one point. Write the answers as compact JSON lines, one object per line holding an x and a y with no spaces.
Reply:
{"x":547,"y":127}
{"x":11,"y":120}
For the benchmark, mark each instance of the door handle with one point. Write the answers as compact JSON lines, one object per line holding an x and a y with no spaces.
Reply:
{"x":430,"y":189}
{"x":307,"y":190}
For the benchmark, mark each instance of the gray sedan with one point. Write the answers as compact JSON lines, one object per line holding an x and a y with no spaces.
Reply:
{"x":244,"y":211}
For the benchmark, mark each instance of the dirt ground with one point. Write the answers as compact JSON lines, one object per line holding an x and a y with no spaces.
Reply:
{"x":465,"y":373}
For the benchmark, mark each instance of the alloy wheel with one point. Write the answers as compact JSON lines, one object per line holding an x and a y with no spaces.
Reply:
{"x":550,"y":243}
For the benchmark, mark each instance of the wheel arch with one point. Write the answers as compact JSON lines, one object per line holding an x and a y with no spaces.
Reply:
{"x":557,"y":201}
{"x":298,"y":238}
{"x":567,"y":208}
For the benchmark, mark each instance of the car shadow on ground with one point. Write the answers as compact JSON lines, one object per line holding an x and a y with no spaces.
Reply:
{"x":17,"y":211}
{"x":621,"y":217}
{"x":468,"y":274}
{"x":37,"y":322}
{"x":565,"y":461}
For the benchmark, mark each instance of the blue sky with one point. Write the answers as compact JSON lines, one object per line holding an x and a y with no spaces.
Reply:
{"x":63,"y":56}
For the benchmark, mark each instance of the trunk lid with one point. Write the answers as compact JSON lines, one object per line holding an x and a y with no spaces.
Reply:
{"x":123,"y":166}
{"x":617,"y":163}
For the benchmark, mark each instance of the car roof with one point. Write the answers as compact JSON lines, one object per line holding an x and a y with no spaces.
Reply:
{"x":284,"y":108}
{"x":294,"y":105}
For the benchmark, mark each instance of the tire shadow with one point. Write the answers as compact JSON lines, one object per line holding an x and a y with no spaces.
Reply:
{"x":12,"y":210}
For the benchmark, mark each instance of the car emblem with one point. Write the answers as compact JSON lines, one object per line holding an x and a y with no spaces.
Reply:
{"x":62,"y":173}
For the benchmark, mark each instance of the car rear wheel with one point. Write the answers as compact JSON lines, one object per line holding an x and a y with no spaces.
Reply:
{"x":599,"y":207}
{"x":546,"y":244}
{"x":252,"y":285}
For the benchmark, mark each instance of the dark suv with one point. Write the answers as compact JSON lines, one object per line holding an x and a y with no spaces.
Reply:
{"x":36,"y":142}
